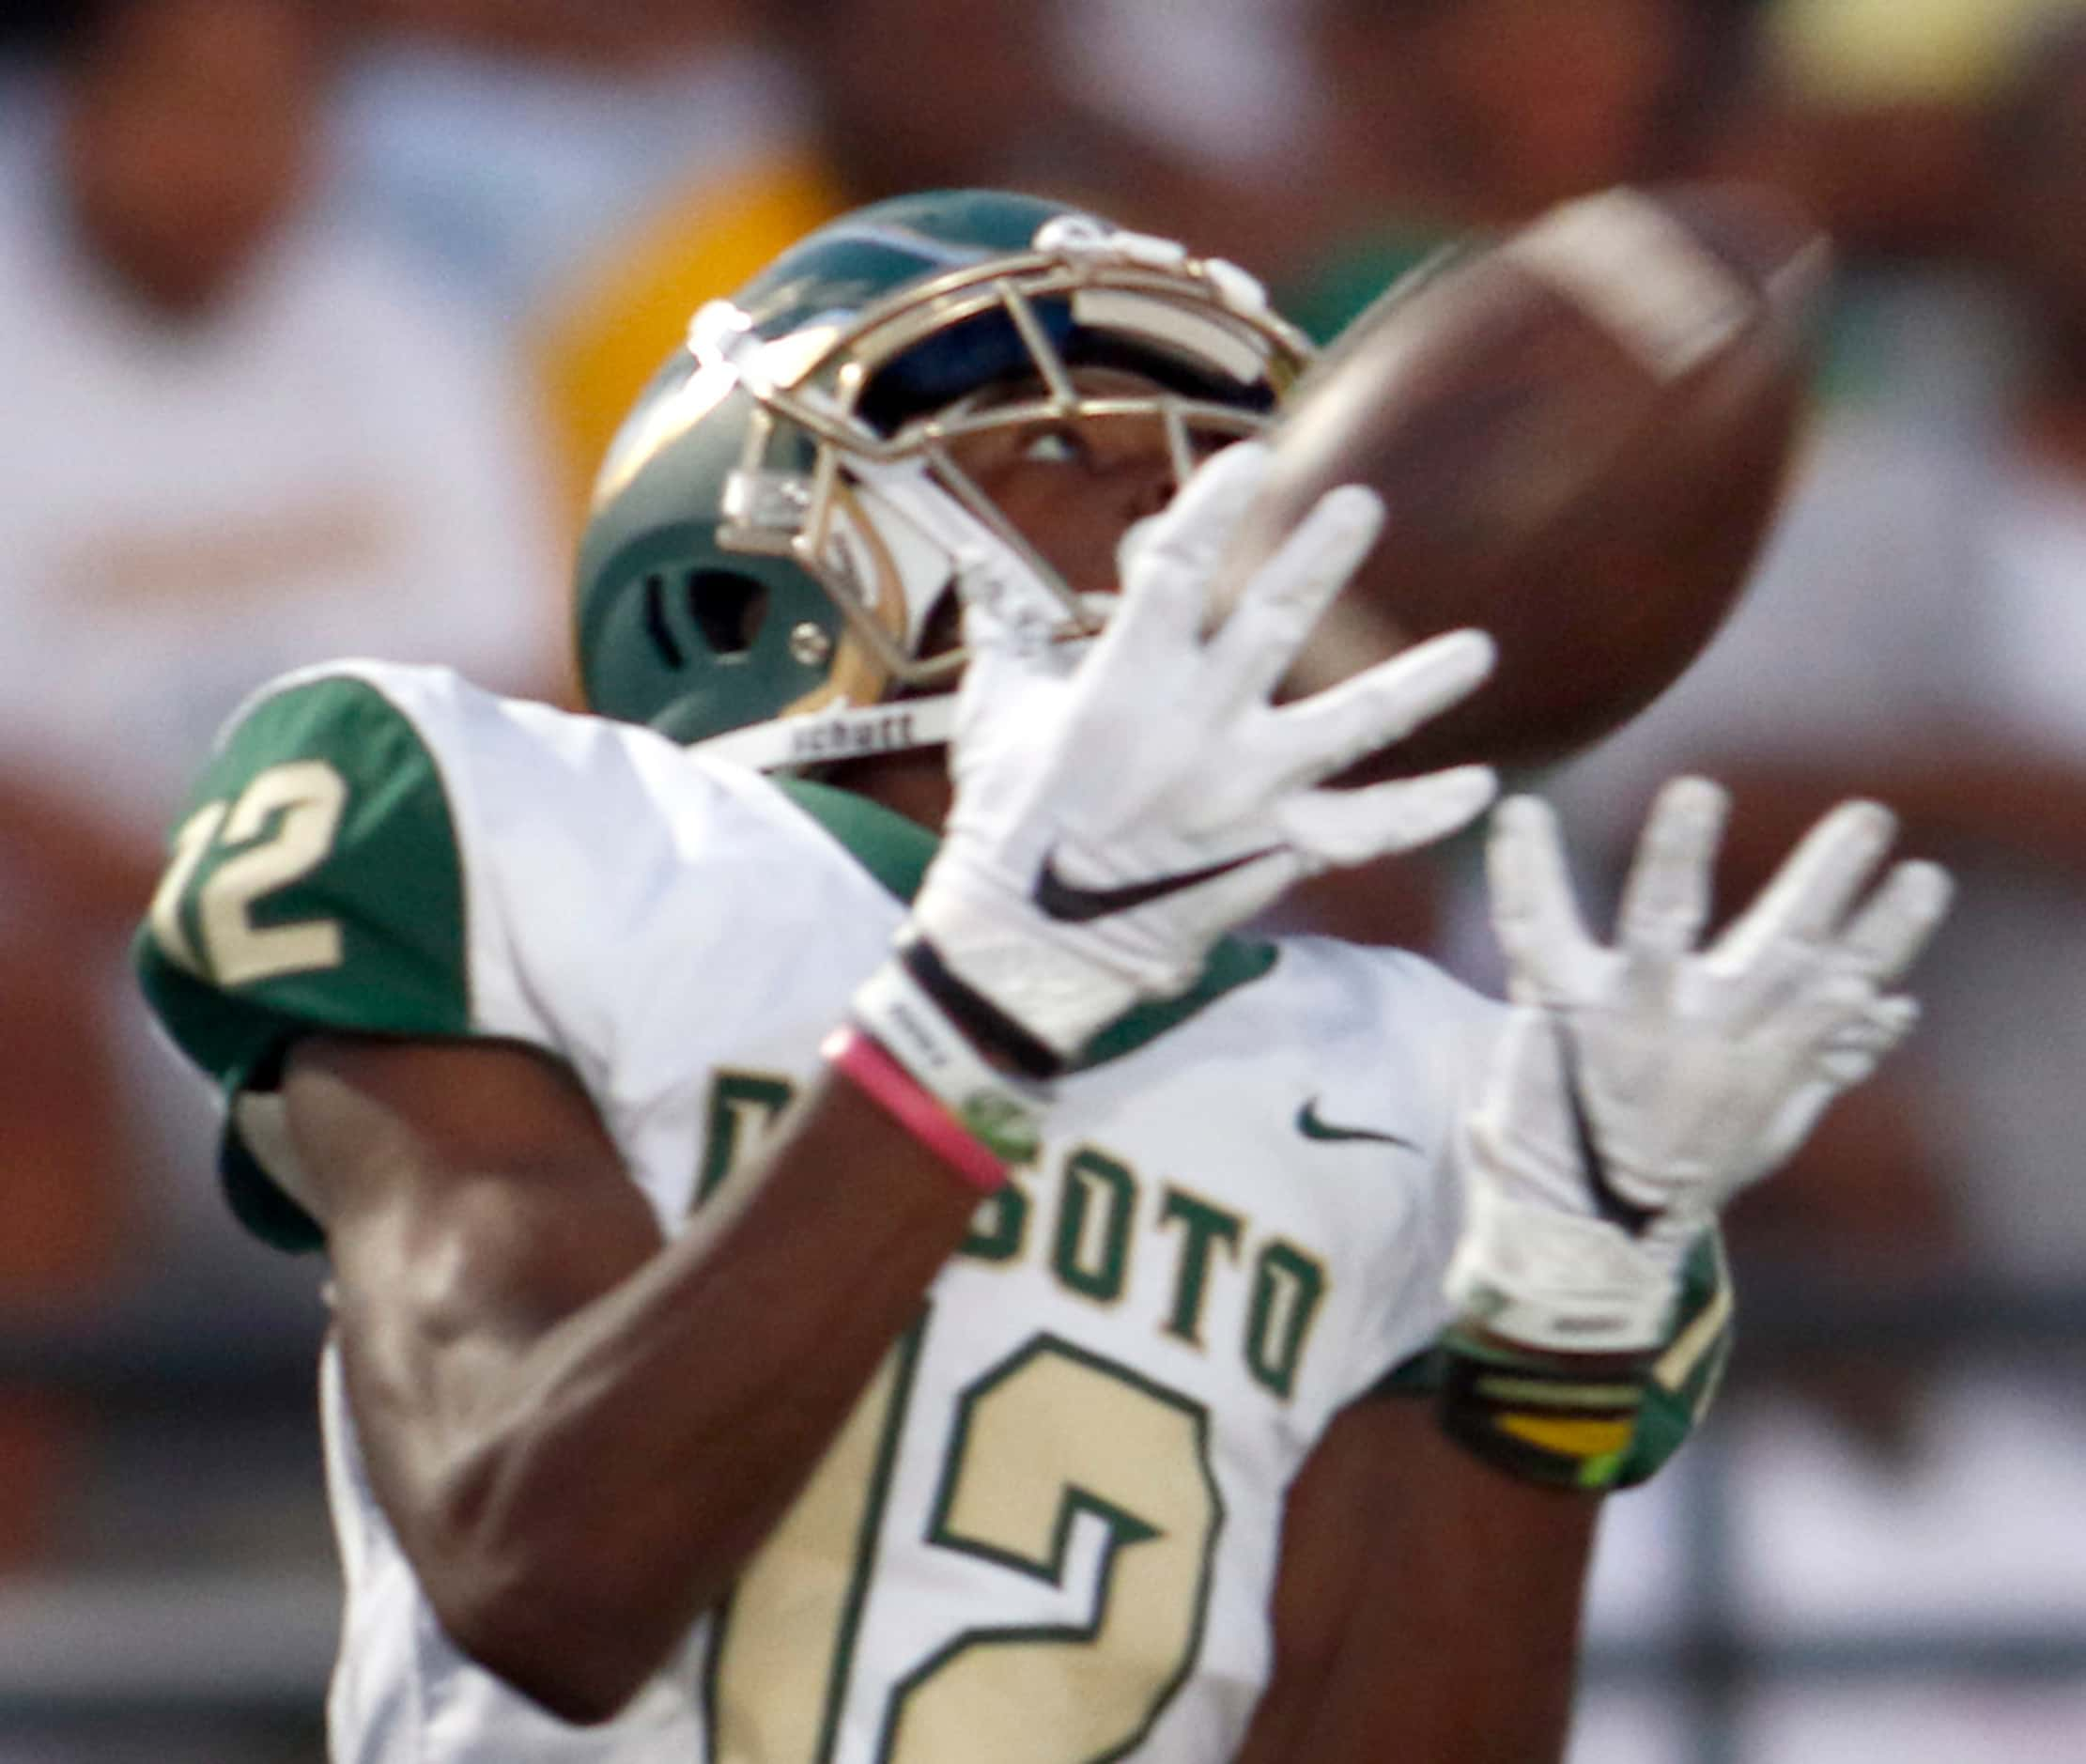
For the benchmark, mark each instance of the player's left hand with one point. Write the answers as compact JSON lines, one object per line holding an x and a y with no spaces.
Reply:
{"x":1639,"y":1086}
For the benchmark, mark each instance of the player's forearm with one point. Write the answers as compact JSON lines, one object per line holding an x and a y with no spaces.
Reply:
{"x":691,"y":1402}
{"x":1469,"y":1648}
{"x":574,"y":1489}
{"x":1428,"y":1606}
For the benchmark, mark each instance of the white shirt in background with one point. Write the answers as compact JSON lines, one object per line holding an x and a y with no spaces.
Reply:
{"x":333,"y":463}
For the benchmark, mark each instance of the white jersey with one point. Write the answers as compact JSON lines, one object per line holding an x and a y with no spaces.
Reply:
{"x":1049,"y":1532}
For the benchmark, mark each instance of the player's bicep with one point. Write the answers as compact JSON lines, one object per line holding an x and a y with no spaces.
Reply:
{"x":471,"y":1201}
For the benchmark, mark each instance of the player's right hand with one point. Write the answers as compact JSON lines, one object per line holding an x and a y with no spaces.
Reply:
{"x":1114,"y":818}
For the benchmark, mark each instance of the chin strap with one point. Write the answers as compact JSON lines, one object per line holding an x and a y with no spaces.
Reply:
{"x":847,"y":731}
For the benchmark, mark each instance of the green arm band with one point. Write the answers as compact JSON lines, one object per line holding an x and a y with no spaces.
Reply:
{"x":1672,"y":1393}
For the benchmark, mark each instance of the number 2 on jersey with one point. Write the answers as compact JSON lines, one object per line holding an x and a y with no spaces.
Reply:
{"x":1051,"y":1434}
{"x":298,"y":808}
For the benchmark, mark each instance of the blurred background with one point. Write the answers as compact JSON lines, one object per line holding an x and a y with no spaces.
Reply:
{"x":313,"y":317}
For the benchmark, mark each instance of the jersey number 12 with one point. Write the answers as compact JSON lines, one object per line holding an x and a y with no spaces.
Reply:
{"x":1041,"y":1448}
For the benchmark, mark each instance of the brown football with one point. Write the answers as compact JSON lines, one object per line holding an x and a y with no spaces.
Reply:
{"x":1581,"y":432}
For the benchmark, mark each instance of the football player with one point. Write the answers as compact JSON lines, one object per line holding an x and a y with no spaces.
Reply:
{"x":838,"y":1252}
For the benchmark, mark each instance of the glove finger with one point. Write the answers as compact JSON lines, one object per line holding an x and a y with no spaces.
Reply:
{"x":1195,"y":527}
{"x":1342,"y":828}
{"x":987,"y":628}
{"x":1253,"y":888}
{"x":1008,"y":636}
{"x":1156,"y":620}
{"x":1793,"y":1121}
{"x":1832,"y":1011}
{"x":1282,"y":601}
{"x":996,"y":672}
{"x":1330,"y":730}
{"x":1839,"y":1050}
{"x":1665,"y":902}
{"x":1005,"y":652}
{"x":1855,"y":1049}
{"x":1524,"y":1093}
{"x":1535,"y":913}
{"x":1888,"y":934}
{"x":1164,"y":565}
{"x":1822,"y":1043}
{"x":1814,"y":887}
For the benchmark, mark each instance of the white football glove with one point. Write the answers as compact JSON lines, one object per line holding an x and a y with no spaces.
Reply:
{"x":1114,"y":818}
{"x":1637,"y":1088}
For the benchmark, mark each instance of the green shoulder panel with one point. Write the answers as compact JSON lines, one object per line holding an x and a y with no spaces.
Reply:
{"x":1684,"y":1382}
{"x":314,"y":883}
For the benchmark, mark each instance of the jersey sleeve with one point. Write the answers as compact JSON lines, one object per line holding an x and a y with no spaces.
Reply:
{"x":315,"y":882}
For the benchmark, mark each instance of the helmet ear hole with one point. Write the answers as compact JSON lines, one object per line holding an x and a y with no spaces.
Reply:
{"x":728,"y":609}
{"x":663,"y":643}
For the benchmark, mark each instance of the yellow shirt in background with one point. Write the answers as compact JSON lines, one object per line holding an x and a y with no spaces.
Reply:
{"x":1859,"y":54}
{"x":600,"y":349}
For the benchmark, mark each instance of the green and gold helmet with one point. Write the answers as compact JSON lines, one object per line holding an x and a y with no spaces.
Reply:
{"x":780,"y":517}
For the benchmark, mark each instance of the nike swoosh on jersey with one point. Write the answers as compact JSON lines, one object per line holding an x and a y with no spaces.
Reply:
{"x":1610,"y":1202}
{"x":1073,"y":905}
{"x":1311,"y":1127}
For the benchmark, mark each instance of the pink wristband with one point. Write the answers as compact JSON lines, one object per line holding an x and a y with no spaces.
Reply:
{"x":919,"y":1111}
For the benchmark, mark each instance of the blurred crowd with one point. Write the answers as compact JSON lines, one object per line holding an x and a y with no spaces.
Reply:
{"x":315,"y":315}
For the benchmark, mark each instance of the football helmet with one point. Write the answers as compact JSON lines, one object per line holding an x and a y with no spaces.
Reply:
{"x":781,"y":516}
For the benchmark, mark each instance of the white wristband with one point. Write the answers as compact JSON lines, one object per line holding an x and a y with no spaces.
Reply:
{"x":1555,"y":1281}
{"x":1002,"y":1111}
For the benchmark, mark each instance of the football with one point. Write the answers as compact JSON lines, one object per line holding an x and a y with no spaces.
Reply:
{"x":1581,"y":431}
